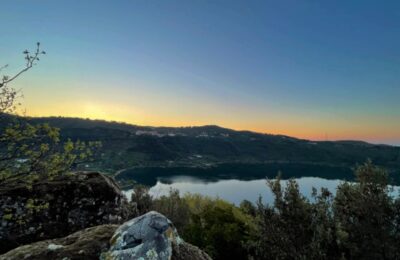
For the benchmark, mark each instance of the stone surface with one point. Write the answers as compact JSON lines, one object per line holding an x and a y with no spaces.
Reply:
{"x":58,"y":207}
{"x":185,"y":251}
{"x":85,"y":244}
{"x":151,"y":236}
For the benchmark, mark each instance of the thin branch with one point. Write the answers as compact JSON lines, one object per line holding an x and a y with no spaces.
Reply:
{"x":30,"y":62}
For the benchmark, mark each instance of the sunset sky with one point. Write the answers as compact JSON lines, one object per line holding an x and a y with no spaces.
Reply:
{"x":310,"y":69}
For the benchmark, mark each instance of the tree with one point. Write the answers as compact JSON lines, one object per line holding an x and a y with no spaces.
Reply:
{"x":31,"y":152}
{"x":217,"y":226}
{"x":367,"y":215}
{"x":173,"y":207}
{"x":141,"y":200}
{"x":248,"y":208}
{"x":285,"y":229}
{"x":361,"y":222}
{"x":293,"y":227}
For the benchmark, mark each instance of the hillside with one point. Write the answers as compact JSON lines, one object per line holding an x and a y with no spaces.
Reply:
{"x":126,"y":146}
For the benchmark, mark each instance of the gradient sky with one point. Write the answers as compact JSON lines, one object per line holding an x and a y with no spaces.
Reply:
{"x":311,"y":69}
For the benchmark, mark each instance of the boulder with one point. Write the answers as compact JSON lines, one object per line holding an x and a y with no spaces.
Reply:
{"x":58,"y":207}
{"x":151,"y":236}
{"x":85,"y":244}
{"x":185,"y":251}
{"x":148,"y":237}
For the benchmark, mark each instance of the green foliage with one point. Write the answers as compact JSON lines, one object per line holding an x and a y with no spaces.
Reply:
{"x":36,"y":151}
{"x":218,"y":231}
{"x":360,"y":222}
{"x":32,"y":208}
{"x":33,"y":151}
{"x":141,"y":200}
{"x":366,"y":215}
{"x":248,"y":208}
{"x":174,"y":207}
{"x":7,"y":217}
{"x":286,"y":228}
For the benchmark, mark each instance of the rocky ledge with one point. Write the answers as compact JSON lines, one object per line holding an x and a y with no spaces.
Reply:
{"x":78,"y":216}
{"x":59,"y":207}
{"x":149,"y":237}
{"x":84,"y":244}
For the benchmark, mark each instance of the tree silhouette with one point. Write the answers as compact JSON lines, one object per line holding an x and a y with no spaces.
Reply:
{"x":8,"y":95}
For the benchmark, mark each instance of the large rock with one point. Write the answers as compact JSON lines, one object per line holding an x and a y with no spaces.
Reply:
{"x":185,"y":251}
{"x":150,"y":237}
{"x":85,"y":244}
{"x":56,"y":208}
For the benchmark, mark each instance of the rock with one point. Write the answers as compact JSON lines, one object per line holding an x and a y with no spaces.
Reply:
{"x":56,"y":208}
{"x":84,"y":244}
{"x":151,"y":236}
{"x":148,"y":236}
{"x":184,"y":251}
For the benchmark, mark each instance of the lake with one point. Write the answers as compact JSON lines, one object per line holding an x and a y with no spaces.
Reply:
{"x":234,"y":190}
{"x":236,"y":182}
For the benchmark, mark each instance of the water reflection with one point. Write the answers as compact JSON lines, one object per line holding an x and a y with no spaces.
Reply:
{"x":236,"y":182}
{"x":235,"y":190}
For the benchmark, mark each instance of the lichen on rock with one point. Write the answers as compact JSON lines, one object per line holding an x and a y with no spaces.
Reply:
{"x":149,"y":236}
{"x":58,"y":207}
{"x":159,"y":241}
{"x":85,"y":244}
{"x":88,"y":202}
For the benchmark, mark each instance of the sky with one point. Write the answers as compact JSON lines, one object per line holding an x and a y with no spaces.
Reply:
{"x":321,"y":70}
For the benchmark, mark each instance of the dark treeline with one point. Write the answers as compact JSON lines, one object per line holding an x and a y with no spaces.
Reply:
{"x":127,"y":146}
{"x":362,"y":221}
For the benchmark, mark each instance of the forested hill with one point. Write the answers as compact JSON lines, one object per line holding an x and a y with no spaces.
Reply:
{"x":127,"y":145}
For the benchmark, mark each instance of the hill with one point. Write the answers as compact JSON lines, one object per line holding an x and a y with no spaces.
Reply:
{"x":126,"y":146}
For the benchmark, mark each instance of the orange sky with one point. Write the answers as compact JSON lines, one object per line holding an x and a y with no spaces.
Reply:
{"x":311,"y":69}
{"x":166,"y":113}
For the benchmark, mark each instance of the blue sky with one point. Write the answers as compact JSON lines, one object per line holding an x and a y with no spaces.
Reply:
{"x":309,"y":69}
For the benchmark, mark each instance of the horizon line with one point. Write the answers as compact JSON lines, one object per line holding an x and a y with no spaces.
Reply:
{"x":217,"y":125}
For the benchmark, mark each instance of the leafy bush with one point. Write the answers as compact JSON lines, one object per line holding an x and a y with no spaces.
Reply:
{"x":175,"y":208}
{"x":35,"y":151}
{"x":218,"y":227}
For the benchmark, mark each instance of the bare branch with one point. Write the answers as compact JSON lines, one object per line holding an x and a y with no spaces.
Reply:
{"x":30,"y":62}
{"x":9,"y":95}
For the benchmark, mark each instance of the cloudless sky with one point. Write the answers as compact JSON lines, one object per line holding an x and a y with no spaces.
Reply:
{"x":310,"y":69}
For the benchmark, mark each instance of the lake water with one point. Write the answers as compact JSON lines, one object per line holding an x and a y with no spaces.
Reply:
{"x":236,"y":182}
{"x":237,"y":190}
{"x":234,"y":191}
